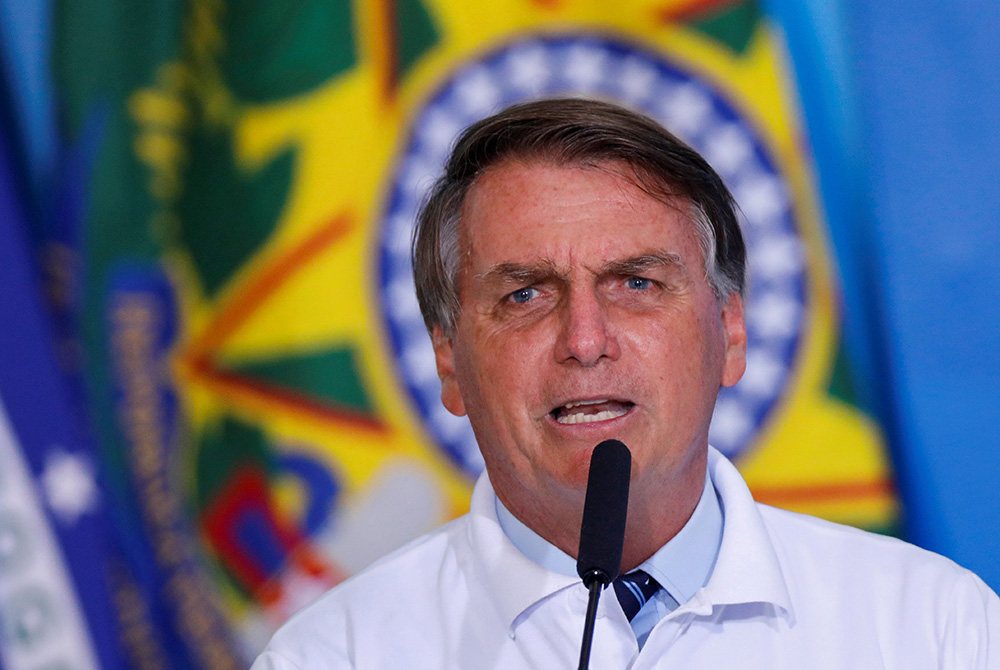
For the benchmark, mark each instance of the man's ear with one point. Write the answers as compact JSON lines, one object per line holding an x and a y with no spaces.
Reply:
{"x":735,"y":331}
{"x":444,"y":357}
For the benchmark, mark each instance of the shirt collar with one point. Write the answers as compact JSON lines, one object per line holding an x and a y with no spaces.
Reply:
{"x":682,"y":566}
{"x":512,"y":581}
{"x":533,"y":545}
{"x":746,"y":568}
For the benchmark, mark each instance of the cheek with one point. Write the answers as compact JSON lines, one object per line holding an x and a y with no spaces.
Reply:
{"x":713,"y":343}
{"x":680,"y":355}
{"x":510,"y":351}
{"x":505,"y":375}
{"x":673,"y":340}
{"x":485,"y":372}
{"x":469,"y":374}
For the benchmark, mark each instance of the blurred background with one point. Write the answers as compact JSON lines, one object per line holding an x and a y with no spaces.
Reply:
{"x":217,"y":399}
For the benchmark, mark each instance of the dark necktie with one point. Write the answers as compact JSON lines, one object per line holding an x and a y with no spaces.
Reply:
{"x":633,"y":590}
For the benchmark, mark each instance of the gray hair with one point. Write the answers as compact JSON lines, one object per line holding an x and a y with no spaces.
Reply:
{"x":578,"y":132}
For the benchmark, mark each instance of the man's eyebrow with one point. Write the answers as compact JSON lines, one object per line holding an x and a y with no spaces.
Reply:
{"x":522,"y":273}
{"x":519,"y":273}
{"x":639,"y":264}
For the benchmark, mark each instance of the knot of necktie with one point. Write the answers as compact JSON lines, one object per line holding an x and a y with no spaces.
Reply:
{"x":634,"y":590}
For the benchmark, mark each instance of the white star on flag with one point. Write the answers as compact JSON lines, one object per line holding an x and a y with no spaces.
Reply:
{"x":730,"y":426}
{"x":477,"y":93}
{"x":527,"y":68}
{"x":763,"y":375}
{"x":728,"y":148}
{"x":686,"y":110}
{"x":774,"y":316}
{"x":637,"y":80}
{"x":69,"y":485}
{"x":585,"y":67}
{"x":777,"y":257}
{"x":762,"y":197}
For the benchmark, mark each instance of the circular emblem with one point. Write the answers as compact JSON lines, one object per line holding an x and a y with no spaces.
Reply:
{"x":601,"y":66}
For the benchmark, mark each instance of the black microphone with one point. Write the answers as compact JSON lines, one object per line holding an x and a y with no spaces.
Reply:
{"x":602,"y":532}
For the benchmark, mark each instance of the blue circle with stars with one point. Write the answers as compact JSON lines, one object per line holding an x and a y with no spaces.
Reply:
{"x":604,"y":67}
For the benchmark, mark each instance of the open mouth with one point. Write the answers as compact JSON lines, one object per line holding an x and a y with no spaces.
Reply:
{"x":590,"y":411}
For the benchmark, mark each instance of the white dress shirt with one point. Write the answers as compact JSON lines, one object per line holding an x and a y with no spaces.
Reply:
{"x":787,"y":592}
{"x":681,"y":566}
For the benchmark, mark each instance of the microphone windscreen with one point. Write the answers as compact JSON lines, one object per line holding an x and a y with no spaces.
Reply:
{"x":602,"y":532}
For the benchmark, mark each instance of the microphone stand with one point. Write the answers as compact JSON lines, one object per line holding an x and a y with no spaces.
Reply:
{"x":596,"y":581}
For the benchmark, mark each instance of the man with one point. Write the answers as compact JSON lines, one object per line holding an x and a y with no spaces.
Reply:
{"x":581,"y":273}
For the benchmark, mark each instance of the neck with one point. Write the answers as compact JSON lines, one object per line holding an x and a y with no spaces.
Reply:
{"x":657,"y":511}
{"x":655,"y":516}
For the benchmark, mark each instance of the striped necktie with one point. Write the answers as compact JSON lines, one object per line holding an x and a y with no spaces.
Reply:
{"x":633,"y":590}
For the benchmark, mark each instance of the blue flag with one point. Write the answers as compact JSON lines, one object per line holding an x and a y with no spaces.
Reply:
{"x":55,"y":603}
{"x":901,"y":101}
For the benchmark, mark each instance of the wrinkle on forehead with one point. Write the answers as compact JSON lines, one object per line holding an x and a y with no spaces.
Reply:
{"x":618,"y":192}
{"x":652,"y":186}
{"x":628,"y":181}
{"x":527,"y":273}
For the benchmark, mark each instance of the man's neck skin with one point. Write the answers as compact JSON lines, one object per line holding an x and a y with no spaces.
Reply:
{"x":657,"y":511}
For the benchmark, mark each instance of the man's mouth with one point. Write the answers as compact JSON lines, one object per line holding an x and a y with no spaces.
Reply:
{"x":590,"y":411}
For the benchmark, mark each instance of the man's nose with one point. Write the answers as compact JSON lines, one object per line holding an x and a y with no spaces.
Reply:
{"x":586,"y":332}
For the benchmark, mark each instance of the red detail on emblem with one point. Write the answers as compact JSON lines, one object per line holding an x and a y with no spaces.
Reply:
{"x":692,"y":9}
{"x":255,"y":545}
{"x":390,"y":79}
{"x":781,"y":496}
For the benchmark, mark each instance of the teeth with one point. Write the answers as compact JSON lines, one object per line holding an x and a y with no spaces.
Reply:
{"x":590,"y":418}
{"x":571,"y":405}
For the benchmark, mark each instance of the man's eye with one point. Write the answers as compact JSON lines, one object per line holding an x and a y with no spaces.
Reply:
{"x":523,"y":295}
{"x":639,"y":283}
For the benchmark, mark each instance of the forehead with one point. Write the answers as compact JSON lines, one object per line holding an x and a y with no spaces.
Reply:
{"x":524,"y":211}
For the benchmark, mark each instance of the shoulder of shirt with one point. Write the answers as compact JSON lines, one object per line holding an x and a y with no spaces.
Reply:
{"x":822,"y":558}
{"x":312,"y":631}
{"x":270,"y":660}
{"x":400,"y":565}
{"x":859,"y":561}
{"x":447,"y":538}
{"x":819,"y":535}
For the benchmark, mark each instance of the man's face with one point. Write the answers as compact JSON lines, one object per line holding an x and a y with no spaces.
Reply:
{"x":585,"y":315}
